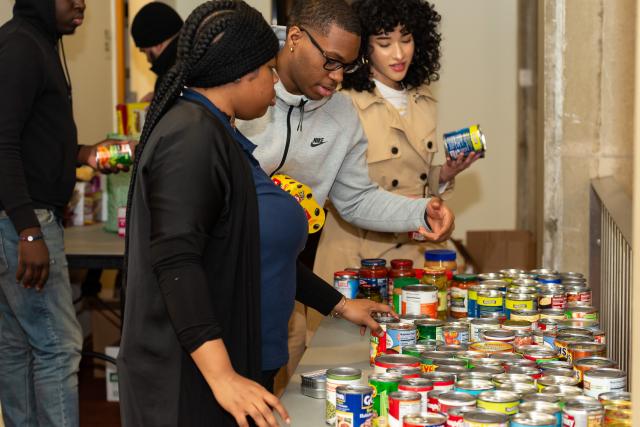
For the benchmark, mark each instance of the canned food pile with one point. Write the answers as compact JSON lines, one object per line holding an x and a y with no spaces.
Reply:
{"x":511,"y":348}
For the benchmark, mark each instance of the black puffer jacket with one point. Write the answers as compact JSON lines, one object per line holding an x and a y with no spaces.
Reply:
{"x":38,"y":139}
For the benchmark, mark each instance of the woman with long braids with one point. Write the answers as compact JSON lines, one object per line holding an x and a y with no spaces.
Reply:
{"x":211,"y":272}
{"x":391,"y":93}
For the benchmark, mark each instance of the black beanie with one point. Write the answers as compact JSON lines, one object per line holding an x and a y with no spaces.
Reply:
{"x":155,"y":23}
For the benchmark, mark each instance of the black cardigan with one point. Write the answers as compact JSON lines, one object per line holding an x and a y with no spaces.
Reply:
{"x":193,"y":271}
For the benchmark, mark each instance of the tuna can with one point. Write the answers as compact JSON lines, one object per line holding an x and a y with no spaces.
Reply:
{"x":378,"y":344}
{"x":398,"y":336}
{"x":505,"y":402}
{"x":405,"y":371}
{"x":387,"y":361}
{"x":552,"y":313}
{"x":382,"y":385}
{"x":580,"y":350}
{"x":430,"y":329}
{"x":489,"y":302}
{"x":455,"y":335}
{"x":480,"y":418}
{"x":424,"y":420}
{"x":464,"y":142}
{"x":337,"y":377}
{"x":455,"y":399}
{"x":583,"y":411}
{"x":501,"y":335}
{"x":478,"y":325}
{"x":420,"y":299}
{"x":354,"y":406}
{"x":411,"y":319}
{"x":418,"y":385}
{"x":531,"y":316}
{"x":552,"y":297}
{"x":473,"y":387}
{"x":530,"y":371}
{"x":403,"y":403}
{"x":520,"y":301}
{"x":521,"y":389}
{"x":552,"y":409}
{"x":346,"y":282}
{"x":549,"y":380}
{"x":416,"y":350}
{"x":604,"y":380}
{"x":588,"y":313}
{"x":534,"y":419}
{"x":578,"y":293}
{"x":441,"y":381}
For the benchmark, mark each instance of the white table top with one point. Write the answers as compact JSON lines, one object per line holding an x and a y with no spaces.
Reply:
{"x":336,"y":343}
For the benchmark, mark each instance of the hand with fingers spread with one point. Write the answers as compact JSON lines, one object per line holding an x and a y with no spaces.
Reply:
{"x":238,"y":395}
{"x":359,"y":311}
{"x":440,"y":219}
{"x":454,"y":166}
{"x":33,"y":259}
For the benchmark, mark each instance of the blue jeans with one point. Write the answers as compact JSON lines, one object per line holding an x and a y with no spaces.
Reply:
{"x":40,"y":337}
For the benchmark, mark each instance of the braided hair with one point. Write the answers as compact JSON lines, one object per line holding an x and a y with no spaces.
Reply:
{"x":221,"y":41}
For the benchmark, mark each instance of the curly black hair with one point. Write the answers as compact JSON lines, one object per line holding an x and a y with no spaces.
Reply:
{"x":418,"y":18}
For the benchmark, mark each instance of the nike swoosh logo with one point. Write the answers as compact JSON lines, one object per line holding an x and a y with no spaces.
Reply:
{"x":317,"y":142}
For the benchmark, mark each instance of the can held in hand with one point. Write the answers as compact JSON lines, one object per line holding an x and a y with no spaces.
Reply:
{"x":465,"y":141}
{"x":354,"y":406}
{"x":337,"y":377}
{"x":378,"y":343}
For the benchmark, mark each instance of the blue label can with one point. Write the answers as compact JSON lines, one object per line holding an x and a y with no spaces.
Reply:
{"x":465,"y":141}
{"x":354,"y":405}
{"x":346,"y":282}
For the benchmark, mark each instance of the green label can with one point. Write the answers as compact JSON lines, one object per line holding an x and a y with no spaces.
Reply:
{"x":383,"y":385}
{"x":430,"y":329}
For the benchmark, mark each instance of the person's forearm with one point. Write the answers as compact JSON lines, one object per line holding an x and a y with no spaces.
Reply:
{"x":212,"y":359}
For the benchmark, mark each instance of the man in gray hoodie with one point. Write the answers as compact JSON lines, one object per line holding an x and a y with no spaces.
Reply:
{"x":314,"y":134}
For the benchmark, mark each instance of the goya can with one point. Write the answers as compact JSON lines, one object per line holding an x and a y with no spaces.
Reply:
{"x":505,"y":402}
{"x":455,"y":399}
{"x":473,"y":387}
{"x":399,"y":335}
{"x":604,"y":380}
{"x":481,"y":418}
{"x":337,"y":377}
{"x":382,"y":385}
{"x":346,"y":282}
{"x":455,"y":335}
{"x":583,"y":411}
{"x":585,"y":364}
{"x":490,"y":301}
{"x":533,"y":419}
{"x":430,"y":329}
{"x":422,"y":386}
{"x":354,"y":406}
{"x":402,"y":403}
{"x":580,"y":350}
{"x":441,"y":381}
{"x":478,"y":325}
{"x":387,"y":361}
{"x":424,"y":420}
{"x":549,"y":408}
{"x":465,"y":141}
{"x":378,"y":343}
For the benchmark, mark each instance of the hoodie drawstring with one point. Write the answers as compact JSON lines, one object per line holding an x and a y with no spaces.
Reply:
{"x":67,"y":76}
{"x":301,"y":107}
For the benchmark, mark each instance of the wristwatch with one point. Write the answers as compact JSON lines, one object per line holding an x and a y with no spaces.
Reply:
{"x":29,"y":238}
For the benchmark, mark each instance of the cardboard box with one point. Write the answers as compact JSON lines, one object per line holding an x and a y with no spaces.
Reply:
{"x":496,"y":250}
{"x":111,"y":375}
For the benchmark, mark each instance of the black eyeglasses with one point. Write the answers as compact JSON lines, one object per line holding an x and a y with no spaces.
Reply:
{"x":331,"y":64}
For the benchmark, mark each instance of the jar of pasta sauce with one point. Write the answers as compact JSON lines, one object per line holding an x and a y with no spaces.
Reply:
{"x":459,"y":295}
{"x":399,"y":268}
{"x":374,"y":274}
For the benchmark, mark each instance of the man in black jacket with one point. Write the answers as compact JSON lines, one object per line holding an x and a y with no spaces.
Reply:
{"x":40,"y":338}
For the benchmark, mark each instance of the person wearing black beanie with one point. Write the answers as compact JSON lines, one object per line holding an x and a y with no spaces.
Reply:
{"x":209,"y":237}
{"x":155,"y":31}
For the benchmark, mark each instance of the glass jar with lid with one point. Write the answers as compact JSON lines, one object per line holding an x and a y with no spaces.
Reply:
{"x":399,"y":268}
{"x":459,"y":295}
{"x":441,"y":258}
{"x":438,"y":278}
{"x":374,"y":273}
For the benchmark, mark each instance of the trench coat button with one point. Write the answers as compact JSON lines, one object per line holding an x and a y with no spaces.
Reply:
{"x":394,"y":150}
{"x":394,"y":183}
{"x":423,"y":177}
{"x":429,"y":145}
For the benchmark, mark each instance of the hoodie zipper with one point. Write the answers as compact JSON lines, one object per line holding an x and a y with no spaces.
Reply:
{"x":286,"y":145}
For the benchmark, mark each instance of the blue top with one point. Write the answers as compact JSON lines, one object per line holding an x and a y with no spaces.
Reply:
{"x":283,"y":234}
{"x":440,"y":255}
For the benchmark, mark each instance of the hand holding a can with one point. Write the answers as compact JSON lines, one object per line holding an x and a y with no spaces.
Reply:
{"x":454,"y":166}
{"x":440,"y":219}
{"x":108,"y":156}
{"x":359,"y":312}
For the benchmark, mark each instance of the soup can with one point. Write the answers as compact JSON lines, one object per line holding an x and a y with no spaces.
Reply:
{"x":588,"y":313}
{"x":402,"y":403}
{"x":556,"y":364}
{"x":400,"y":335}
{"x":534,"y":419}
{"x":406,"y":371}
{"x":481,"y":418}
{"x":442,"y":381}
{"x":592,"y":325}
{"x":430,"y":360}
{"x":337,"y":377}
{"x":424,"y":420}
{"x":418,"y":385}
{"x":579,"y":350}
{"x":473,"y":387}
{"x":502,"y":401}
{"x":430,"y":329}
{"x":455,"y":335}
{"x":382,"y":385}
{"x":433,"y":401}
{"x":559,"y":372}
{"x":489,"y":302}
{"x":507,"y":357}
{"x":478,"y":325}
{"x":454,"y":349}
{"x":387,"y":361}
{"x":465,"y":141}
{"x":420,"y":299}
{"x":452,"y":369}
{"x":583,"y":411}
{"x":378,"y":343}
{"x":604,"y":380}
{"x":354,"y":406}
{"x":541,"y":397}
{"x":455,"y":399}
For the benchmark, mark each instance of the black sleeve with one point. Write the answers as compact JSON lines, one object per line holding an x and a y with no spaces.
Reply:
{"x":186,"y":193}
{"x":21,"y":76}
{"x":311,"y":290}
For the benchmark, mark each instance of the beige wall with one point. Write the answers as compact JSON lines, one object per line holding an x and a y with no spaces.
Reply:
{"x":589,"y":65}
{"x":479,"y":85}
